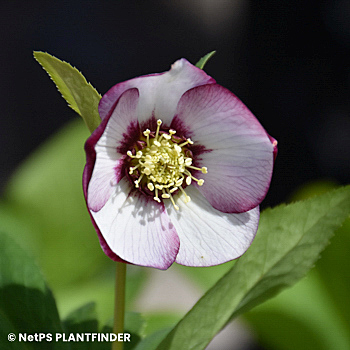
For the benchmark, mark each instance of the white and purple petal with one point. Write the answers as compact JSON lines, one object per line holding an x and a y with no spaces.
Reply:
{"x":159,"y":93}
{"x":106,"y":150}
{"x":234,"y":147}
{"x":207,"y":236}
{"x":137,"y":229}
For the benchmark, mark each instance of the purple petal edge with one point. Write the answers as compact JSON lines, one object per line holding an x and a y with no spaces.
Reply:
{"x":86,"y":179}
{"x":182,"y":120}
{"x":87,"y":173}
{"x":109,"y":99}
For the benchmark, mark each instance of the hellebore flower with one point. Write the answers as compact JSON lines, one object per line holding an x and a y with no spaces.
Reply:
{"x":176,"y":170}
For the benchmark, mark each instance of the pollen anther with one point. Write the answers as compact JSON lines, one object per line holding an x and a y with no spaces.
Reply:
{"x":163,"y":165}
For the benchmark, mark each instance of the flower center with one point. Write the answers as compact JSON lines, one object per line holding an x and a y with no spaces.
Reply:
{"x":162,"y":164}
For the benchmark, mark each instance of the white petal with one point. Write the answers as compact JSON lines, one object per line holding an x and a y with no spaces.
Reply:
{"x":207,"y":236}
{"x":121,"y":124}
{"x":108,"y":166}
{"x":159,"y":93}
{"x":103,"y":180}
{"x":137,"y":229}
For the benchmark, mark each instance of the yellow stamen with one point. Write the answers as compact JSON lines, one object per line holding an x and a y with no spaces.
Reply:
{"x":187,"y":198}
{"x":199,"y":181}
{"x":173,"y":189}
{"x":204,"y":170}
{"x":186,"y":142}
{"x":156,"y":195}
{"x":172,"y":201}
{"x":159,"y":123}
{"x":146,"y":133}
{"x":137,"y":182}
{"x":138,"y":154}
{"x":131,"y":170}
{"x":163,"y":165}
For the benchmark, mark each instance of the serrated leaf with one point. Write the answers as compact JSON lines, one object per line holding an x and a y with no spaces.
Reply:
{"x":81,"y":96}
{"x":288,"y":243}
{"x":203,"y":61}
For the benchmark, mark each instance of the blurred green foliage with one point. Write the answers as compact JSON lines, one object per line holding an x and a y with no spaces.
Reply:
{"x":44,"y":211}
{"x":46,"y":193}
{"x":26,"y":303}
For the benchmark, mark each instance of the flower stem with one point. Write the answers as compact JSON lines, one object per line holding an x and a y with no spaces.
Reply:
{"x":119,"y":303}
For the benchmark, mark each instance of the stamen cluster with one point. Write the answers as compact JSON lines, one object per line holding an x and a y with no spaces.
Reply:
{"x":162,"y":165}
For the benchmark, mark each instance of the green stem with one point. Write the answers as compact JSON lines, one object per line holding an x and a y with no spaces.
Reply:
{"x":119,"y":303}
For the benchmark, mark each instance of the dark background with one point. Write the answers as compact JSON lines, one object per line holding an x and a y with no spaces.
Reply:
{"x":287,"y":60}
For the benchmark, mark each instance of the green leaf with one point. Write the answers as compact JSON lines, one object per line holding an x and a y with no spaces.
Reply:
{"x":203,"y":61}
{"x":288,"y":243}
{"x":26,"y":303}
{"x":81,"y":96}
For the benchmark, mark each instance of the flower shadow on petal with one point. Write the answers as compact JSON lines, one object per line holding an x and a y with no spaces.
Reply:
{"x":209,"y":237}
{"x":144,"y":210}
{"x":201,"y":208}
